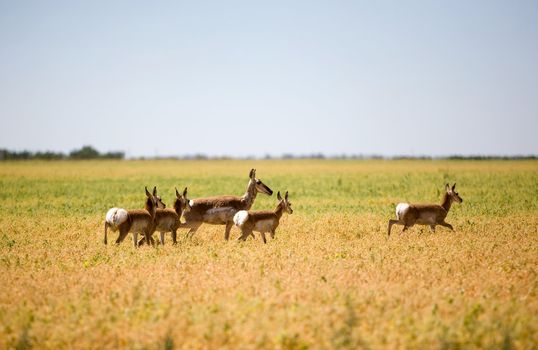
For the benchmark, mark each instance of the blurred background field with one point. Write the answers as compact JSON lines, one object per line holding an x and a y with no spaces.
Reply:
{"x":330,"y":279}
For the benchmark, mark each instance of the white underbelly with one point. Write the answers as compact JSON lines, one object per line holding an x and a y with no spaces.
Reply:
{"x":219,"y":215}
{"x":426,"y":219}
{"x":264,"y":225}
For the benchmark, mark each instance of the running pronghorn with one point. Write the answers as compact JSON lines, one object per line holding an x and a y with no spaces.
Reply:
{"x":135,"y":221}
{"x":168,"y":220}
{"x":426,"y":214}
{"x":220,"y":210}
{"x":262,"y":221}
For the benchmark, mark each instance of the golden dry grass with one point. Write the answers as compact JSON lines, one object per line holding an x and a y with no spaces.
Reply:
{"x":330,"y":279}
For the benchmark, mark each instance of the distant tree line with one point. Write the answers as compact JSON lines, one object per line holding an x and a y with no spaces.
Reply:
{"x":86,"y":152}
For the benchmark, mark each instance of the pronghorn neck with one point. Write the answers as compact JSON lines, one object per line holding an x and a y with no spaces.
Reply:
{"x":150,"y":207}
{"x":447,"y":202}
{"x":177,"y":207}
{"x":279,"y":210}
{"x":250,"y":195}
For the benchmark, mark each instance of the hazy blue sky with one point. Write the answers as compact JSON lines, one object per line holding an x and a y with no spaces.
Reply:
{"x":252,"y":77}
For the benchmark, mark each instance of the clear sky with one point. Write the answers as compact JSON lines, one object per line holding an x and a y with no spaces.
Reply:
{"x":270,"y":77}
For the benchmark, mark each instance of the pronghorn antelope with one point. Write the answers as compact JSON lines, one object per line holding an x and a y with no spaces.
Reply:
{"x":135,"y":221}
{"x":426,"y":214}
{"x":262,"y":221}
{"x":221,"y":210}
{"x":168,"y":220}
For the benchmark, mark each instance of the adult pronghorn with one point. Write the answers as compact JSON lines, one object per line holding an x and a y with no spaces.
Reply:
{"x":262,"y":221}
{"x":220,"y":210}
{"x":135,"y":221}
{"x":426,"y":214}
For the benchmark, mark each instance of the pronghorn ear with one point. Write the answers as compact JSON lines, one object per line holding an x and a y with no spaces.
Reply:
{"x":185,"y":192}
{"x":147,"y":193}
{"x":286,"y":195}
{"x":154,"y":190}
{"x":252,"y":174}
{"x":177,"y":193}
{"x":453,"y":187}
{"x":447,"y":187}
{"x":278,"y":196}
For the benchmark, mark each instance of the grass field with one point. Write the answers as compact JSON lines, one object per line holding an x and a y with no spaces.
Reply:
{"x":330,"y":279}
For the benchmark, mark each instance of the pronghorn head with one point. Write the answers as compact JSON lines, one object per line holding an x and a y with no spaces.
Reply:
{"x":151,"y":204}
{"x":182,"y":203}
{"x":258,"y":184}
{"x":158,"y":202}
{"x":452,"y":194}
{"x":284,"y":202}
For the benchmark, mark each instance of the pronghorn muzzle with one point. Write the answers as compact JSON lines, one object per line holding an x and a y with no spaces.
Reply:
{"x":261,"y":187}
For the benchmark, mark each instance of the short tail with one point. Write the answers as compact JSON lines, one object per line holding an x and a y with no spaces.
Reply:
{"x":240,"y":218}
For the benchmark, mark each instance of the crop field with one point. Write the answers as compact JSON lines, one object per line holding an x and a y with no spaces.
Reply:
{"x":331,"y":278}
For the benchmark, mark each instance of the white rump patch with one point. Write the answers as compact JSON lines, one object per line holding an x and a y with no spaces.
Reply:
{"x":191,"y":202}
{"x":240,"y":218}
{"x":401,"y":209}
{"x":116,"y":216}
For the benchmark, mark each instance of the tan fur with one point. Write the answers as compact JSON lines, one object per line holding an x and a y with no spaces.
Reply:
{"x":265,"y":221}
{"x":220,"y":210}
{"x":428,"y":214}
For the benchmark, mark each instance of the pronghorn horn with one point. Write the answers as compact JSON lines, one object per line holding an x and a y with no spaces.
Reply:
{"x":154,"y":190}
{"x":185,"y":192}
{"x":147,"y":193}
{"x":286,"y":195}
{"x":278,"y":196}
{"x":177,"y":193}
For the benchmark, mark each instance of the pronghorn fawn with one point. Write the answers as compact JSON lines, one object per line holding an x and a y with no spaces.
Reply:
{"x":262,"y":221}
{"x":135,"y":221}
{"x":426,"y":214}
{"x":221,"y":210}
{"x":168,"y":220}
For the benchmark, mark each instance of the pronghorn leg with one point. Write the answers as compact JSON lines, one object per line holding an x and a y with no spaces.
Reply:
{"x":174,"y":237}
{"x":149,"y":238}
{"x":263,"y":237}
{"x":123,"y":233}
{"x":229,"y":225}
{"x":193,"y":228}
{"x":162,"y":238}
{"x":143,"y":240}
{"x":106,"y":228}
{"x":135,"y":239}
{"x":394,"y":222}
{"x":245,"y":234}
{"x":446,"y":224}
{"x":273,"y":234}
{"x":432,"y":227}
